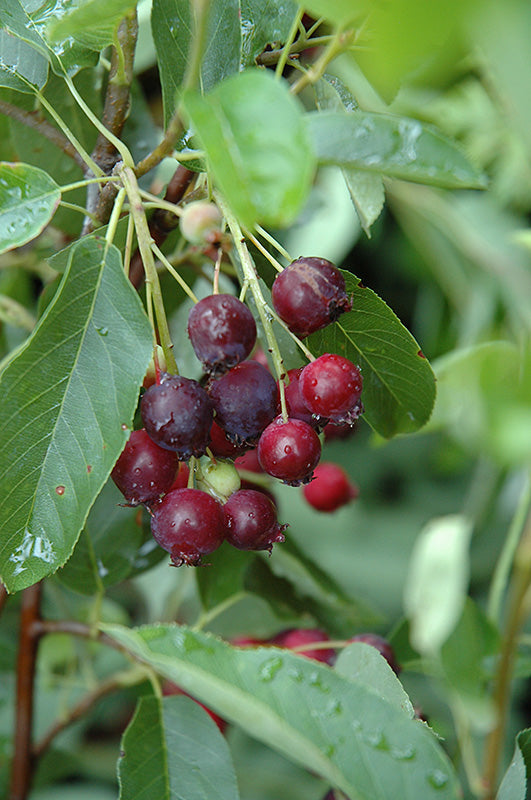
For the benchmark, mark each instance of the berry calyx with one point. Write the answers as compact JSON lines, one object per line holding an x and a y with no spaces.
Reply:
{"x":245,"y":401}
{"x":200,"y":222}
{"x":251,"y":521}
{"x":222,"y":331}
{"x":297,"y":637}
{"x":188,"y":523}
{"x":222,"y":447}
{"x":309,"y":294}
{"x":177,"y":414}
{"x":331,"y":387}
{"x":382,"y":645}
{"x":289,"y":451}
{"x":144,"y":470}
{"x":330,"y":488}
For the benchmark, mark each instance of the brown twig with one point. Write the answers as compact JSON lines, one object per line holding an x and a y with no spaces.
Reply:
{"x":23,"y":762}
{"x":3,"y":596}
{"x":33,"y":119}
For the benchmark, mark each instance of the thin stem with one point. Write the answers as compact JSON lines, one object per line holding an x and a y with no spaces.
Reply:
{"x":285,"y":52}
{"x":271,"y":57}
{"x":69,"y":187}
{"x":309,"y":355}
{"x":85,"y":157}
{"x":208,"y":616}
{"x":159,"y":202}
{"x":267,"y":255}
{"x":144,"y":243}
{"x":32,"y":119}
{"x":115,"y":216}
{"x":339,"y":43}
{"x":217,"y":267}
{"x":173,"y":272}
{"x":128,"y":245}
{"x":23,"y":763}
{"x":163,"y":149}
{"x":80,"y":210}
{"x":272,"y":241}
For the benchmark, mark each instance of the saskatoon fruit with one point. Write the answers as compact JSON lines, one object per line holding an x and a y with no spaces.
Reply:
{"x":330,"y":488}
{"x":309,"y":294}
{"x":382,"y":645}
{"x":200,"y":222}
{"x":251,"y":521}
{"x":222,"y":331}
{"x":294,"y":402}
{"x":331,"y":387}
{"x":245,"y":401}
{"x":144,"y":470}
{"x":289,"y":451}
{"x":188,"y":523}
{"x":177,"y":414}
{"x":222,"y":447}
{"x":297,"y":637}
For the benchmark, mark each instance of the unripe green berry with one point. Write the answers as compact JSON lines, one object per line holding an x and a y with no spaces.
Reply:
{"x":220,"y":479}
{"x":200,"y":221}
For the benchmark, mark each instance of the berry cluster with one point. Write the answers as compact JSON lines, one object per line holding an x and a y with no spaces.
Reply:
{"x":239,"y":409}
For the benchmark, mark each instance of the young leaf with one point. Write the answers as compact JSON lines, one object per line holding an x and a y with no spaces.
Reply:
{"x":341,"y":729}
{"x":173,"y":750}
{"x":68,"y":401}
{"x":257,"y":147}
{"x":398,"y":383}
{"x":515,"y":782}
{"x":264,"y":22}
{"x":171,"y":24}
{"x":28,"y":199}
{"x":395,"y":146}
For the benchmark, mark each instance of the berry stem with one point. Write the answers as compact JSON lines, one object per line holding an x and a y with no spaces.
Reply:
{"x":115,"y":216}
{"x":144,"y":244}
{"x":129,"y":245}
{"x":173,"y":272}
{"x":217,"y":267}
{"x":296,"y":339}
{"x":339,"y":43}
{"x":284,"y":55}
{"x":272,"y":241}
{"x":259,"y":246}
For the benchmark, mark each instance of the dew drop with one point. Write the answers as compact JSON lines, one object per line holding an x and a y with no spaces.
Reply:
{"x":269,"y":669}
{"x":103,"y":331}
{"x":60,"y":490}
{"x":437,"y":779}
{"x":406,"y":753}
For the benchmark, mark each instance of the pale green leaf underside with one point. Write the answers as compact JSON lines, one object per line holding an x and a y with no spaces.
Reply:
{"x":28,"y":199}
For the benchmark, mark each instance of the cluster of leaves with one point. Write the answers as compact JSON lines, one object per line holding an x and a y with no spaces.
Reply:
{"x":74,"y":364}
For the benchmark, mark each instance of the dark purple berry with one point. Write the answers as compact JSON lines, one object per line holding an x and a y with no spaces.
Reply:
{"x":251,"y":520}
{"x":330,"y":488}
{"x":309,"y":295}
{"x":222,"y":447}
{"x":222,"y":331}
{"x":331,"y":387}
{"x":245,"y":401}
{"x":177,"y":414}
{"x":381,"y":644}
{"x":144,"y":470}
{"x":297,"y":637}
{"x":188,"y":523}
{"x":289,"y":451}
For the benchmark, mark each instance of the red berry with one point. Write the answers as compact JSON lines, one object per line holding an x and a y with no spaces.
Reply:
{"x":294,"y":403}
{"x":309,"y":295}
{"x":181,"y":479}
{"x":222,"y":331}
{"x":249,"y":461}
{"x":381,"y":644}
{"x":251,"y":521}
{"x":289,"y":450}
{"x":221,"y":446}
{"x":188,"y":523}
{"x":330,"y":488}
{"x":331,"y":387}
{"x":246,"y":641}
{"x":297,"y":637}
{"x":245,"y":400}
{"x":144,"y":470}
{"x":177,"y":414}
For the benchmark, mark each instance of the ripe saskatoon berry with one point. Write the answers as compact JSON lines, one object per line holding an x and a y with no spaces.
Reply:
{"x":296,"y":637}
{"x":330,"y":488}
{"x":294,"y":402}
{"x":245,"y":401}
{"x":246,"y":641}
{"x":289,"y":451}
{"x":382,"y":645}
{"x":331,"y":387}
{"x":200,"y":222}
{"x":222,"y":331}
{"x":222,"y":447}
{"x":144,"y":470}
{"x":251,"y":520}
{"x":188,"y":523}
{"x":181,"y":479}
{"x":309,"y":294}
{"x":177,"y":414}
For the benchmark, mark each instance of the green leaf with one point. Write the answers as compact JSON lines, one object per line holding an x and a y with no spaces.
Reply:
{"x":395,"y":146}
{"x":340,"y":12}
{"x":515,"y":781}
{"x":243,"y":124}
{"x":264,"y":22}
{"x":171,"y":25}
{"x":172,"y":750}
{"x":436,"y":586}
{"x":398,"y":383}
{"x":107,"y":548}
{"x":337,"y":728}
{"x":69,"y":398}
{"x":92,"y":24}
{"x":21,"y":66}
{"x":224,"y":577}
{"x":28,"y":199}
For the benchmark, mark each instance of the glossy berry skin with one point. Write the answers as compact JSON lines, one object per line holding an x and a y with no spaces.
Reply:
{"x":331,"y":387}
{"x":295,"y":404}
{"x":382,"y":645}
{"x":330,"y":488}
{"x":177,"y":414}
{"x":289,"y":451}
{"x":188,"y":524}
{"x":251,"y":521}
{"x":297,"y":637}
{"x":220,"y":446}
{"x":222,"y":331}
{"x":245,"y":401}
{"x":309,"y":294}
{"x":144,"y":470}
